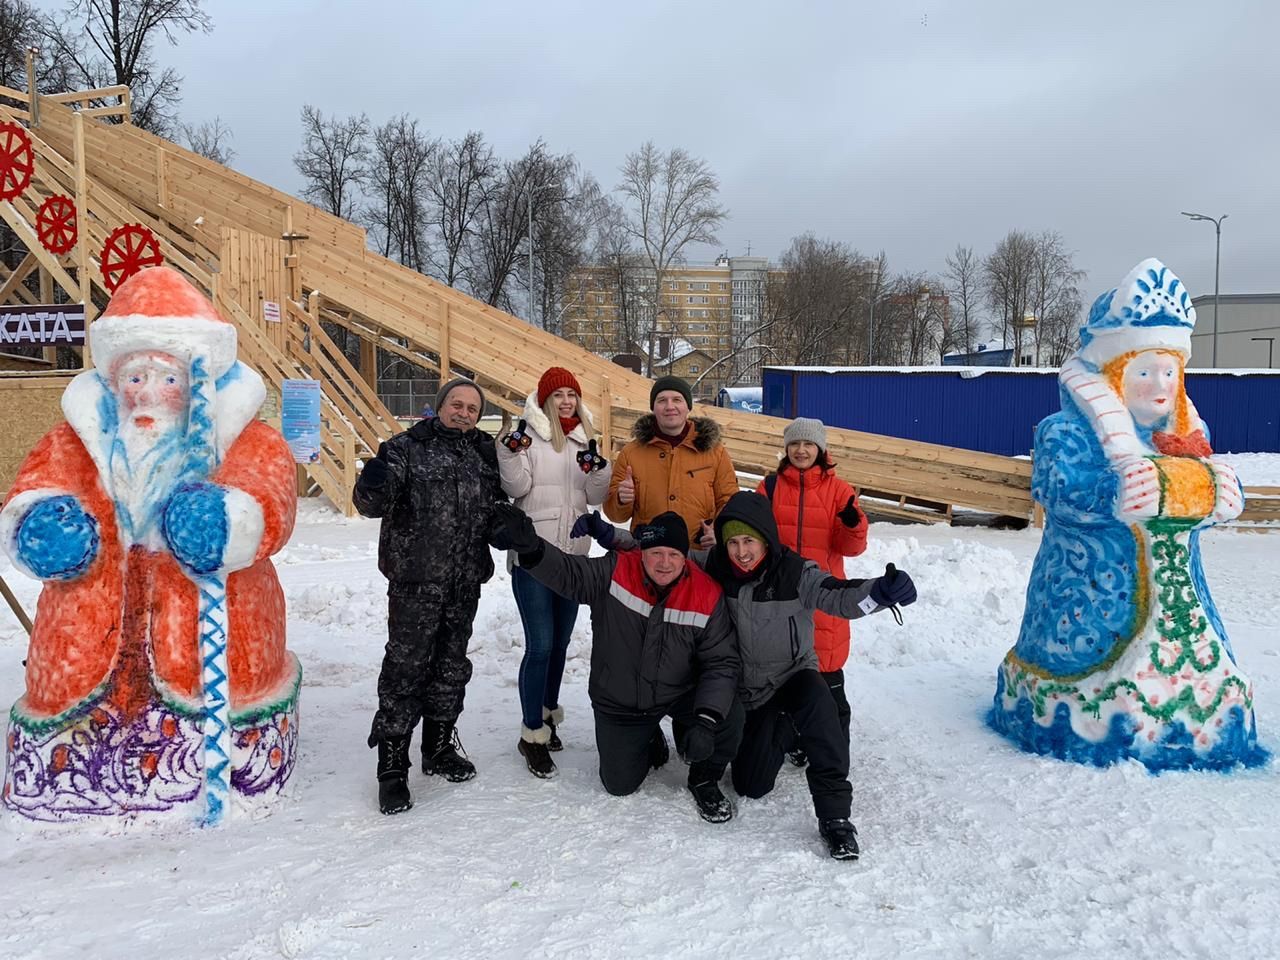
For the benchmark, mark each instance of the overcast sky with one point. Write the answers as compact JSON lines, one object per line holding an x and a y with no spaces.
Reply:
{"x":903,"y":126}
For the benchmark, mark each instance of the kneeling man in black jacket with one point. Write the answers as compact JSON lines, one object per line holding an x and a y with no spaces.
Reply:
{"x":662,"y":645}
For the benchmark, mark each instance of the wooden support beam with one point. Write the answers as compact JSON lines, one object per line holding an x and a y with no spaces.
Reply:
{"x":369,"y":362}
{"x":46,"y":296}
{"x":162,"y":177}
{"x":445,"y":360}
{"x":20,"y":273}
{"x":82,"y":240}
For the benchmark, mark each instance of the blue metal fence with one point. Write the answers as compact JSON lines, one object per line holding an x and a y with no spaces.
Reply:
{"x":996,"y":411}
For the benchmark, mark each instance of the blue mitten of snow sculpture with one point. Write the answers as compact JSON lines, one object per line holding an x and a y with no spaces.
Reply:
{"x":196,"y":526}
{"x":57,"y":540}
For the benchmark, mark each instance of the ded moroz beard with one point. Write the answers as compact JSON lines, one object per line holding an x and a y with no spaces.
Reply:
{"x":146,"y":464}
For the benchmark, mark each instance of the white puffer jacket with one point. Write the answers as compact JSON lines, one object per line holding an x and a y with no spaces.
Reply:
{"x":551,"y":487}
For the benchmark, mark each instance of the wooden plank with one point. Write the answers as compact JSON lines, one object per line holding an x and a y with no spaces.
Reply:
{"x":20,"y":273}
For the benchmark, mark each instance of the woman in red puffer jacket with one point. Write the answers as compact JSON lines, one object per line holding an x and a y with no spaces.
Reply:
{"x":819,"y":518}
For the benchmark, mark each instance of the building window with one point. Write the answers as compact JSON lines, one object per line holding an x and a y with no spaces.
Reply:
{"x":693,"y":368}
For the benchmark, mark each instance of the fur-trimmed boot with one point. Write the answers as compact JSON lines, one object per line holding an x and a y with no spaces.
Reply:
{"x":534,"y":746}
{"x":442,"y":752}
{"x":393,"y":775}
{"x":552,"y":717}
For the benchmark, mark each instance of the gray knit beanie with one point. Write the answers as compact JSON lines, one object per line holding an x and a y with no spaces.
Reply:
{"x":458,"y":382}
{"x":805,"y":428}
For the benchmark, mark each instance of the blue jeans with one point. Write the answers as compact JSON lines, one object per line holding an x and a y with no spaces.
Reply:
{"x":548,"y":620}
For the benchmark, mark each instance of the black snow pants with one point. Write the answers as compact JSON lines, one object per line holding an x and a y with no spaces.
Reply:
{"x":622,"y":740}
{"x":807,"y":700}
{"x":835,"y":681}
{"x":425,"y":668}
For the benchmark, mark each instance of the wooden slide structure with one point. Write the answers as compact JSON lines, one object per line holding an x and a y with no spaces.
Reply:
{"x":262,"y":254}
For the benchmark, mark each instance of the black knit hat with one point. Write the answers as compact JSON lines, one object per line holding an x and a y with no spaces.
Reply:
{"x":670,"y":383}
{"x":665,"y":530}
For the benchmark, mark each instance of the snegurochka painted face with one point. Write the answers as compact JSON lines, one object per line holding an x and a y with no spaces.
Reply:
{"x":1151,"y":383}
{"x":153,"y":389}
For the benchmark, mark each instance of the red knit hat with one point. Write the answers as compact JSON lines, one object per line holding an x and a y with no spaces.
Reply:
{"x":553,"y":380}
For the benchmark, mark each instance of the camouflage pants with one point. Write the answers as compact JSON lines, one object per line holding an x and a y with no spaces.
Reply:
{"x":425,"y":668}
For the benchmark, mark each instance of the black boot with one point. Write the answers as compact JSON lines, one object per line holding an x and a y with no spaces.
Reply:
{"x":841,"y":837}
{"x":393,"y":775}
{"x":440,"y":752}
{"x":553,"y":717}
{"x":659,"y":752}
{"x":534,"y":746}
{"x":713,"y":806}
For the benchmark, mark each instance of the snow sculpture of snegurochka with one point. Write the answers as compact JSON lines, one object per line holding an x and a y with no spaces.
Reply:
{"x":1122,"y":653}
{"x":158,"y":684}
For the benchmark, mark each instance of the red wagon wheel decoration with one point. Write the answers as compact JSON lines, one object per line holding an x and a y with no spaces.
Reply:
{"x":56,"y":224}
{"x":128,"y":249}
{"x":16,"y":160}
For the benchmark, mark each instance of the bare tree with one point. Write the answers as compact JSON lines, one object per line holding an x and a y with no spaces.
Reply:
{"x":211,"y":139}
{"x":816,"y":301}
{"x":1007,"y":275}
{"x":19,"y":31}
{"x":459,"y":182}
{"x":1054,"y":298}
{"x":535,"y":184}
{"x":333,"y":160}
{"x":673,"y":203}
{"x":399,"y":172}
{"x":964,"y":285}
{"x":108,"y":42}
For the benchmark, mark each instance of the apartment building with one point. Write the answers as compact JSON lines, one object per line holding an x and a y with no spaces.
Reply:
{"x":712,"y":308}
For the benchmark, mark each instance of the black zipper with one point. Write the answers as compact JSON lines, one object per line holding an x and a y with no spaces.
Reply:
{"x":795,"y":637}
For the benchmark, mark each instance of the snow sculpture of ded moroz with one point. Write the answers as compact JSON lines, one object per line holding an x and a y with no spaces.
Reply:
{"x":158,"y":684}
{"x":1122,"y":653}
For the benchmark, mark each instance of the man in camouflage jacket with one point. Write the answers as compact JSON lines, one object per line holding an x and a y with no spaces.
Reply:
{"x":434,"y":486}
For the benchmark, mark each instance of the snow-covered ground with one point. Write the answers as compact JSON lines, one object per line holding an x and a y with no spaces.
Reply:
{"x":971,"y":848}
{"x":1256,"y":469}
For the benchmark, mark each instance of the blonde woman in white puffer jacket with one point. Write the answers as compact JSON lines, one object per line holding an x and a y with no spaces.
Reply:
{"x":551,"y":470}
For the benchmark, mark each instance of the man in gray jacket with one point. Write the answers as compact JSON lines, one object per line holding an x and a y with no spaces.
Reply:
{"x":772,"y":593}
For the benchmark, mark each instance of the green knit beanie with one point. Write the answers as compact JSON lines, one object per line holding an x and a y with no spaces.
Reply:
{"x":739,"y":528}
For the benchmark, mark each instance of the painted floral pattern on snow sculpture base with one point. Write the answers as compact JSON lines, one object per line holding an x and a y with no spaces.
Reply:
{"x":158,"y":682}
{"x":1122,"y":653}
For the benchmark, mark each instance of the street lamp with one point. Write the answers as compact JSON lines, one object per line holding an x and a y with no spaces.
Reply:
{"x":1271,"y":342}
{"x":1217,"y":261}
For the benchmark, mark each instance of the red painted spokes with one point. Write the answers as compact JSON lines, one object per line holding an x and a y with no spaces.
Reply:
{"x":56,"y":224}
{"x":128,"y":250}
{"x":16,"y":160}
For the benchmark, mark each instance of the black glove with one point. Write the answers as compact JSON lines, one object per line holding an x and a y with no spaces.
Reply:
{"x":895,"y":588}
{"x":850,"y":516}
{"x":517,"y":439}
{"x":375,"y":473}
{"x":589,"y":460}
{"x":511,"y":529}
{"x":595,"y":526}
{"x":700,"y":742}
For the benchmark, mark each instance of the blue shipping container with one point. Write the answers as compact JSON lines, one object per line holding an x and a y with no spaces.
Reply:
{"x":996,"y":411}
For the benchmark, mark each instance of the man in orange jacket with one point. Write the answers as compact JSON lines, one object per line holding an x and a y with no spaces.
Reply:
{"x":675,"y":462}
